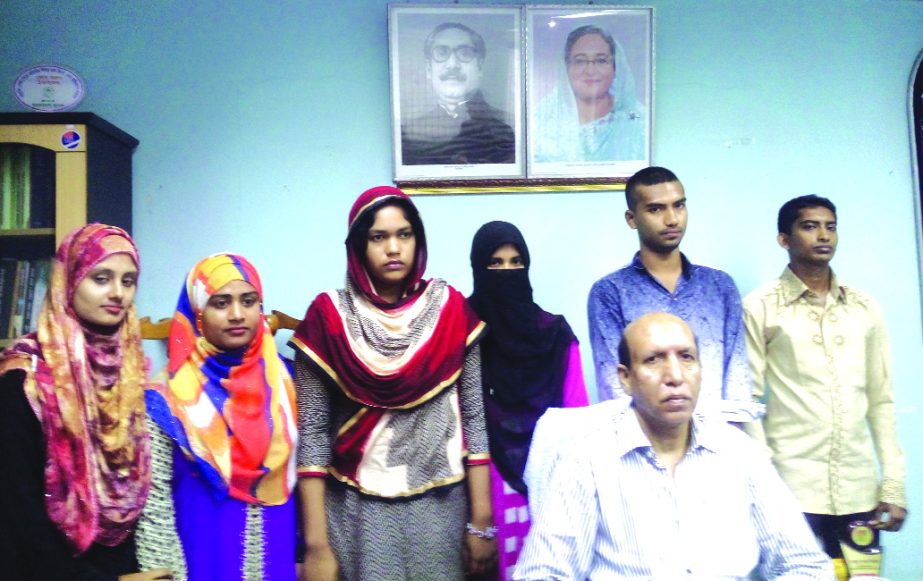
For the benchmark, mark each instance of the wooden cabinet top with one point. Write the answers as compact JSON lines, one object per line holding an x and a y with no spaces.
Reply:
{"x":88,"y":119}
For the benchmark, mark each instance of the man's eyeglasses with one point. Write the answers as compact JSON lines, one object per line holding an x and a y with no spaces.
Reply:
{"x":464,"y":53}
{"x":583,"y":62}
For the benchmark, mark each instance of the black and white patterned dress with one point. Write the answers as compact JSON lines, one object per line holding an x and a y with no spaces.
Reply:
{"x":405,"y":517}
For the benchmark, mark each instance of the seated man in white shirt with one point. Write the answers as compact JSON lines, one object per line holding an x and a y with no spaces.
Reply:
{"x":646,"y":489}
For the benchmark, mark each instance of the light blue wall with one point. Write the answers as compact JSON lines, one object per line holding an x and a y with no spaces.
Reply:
{"x":260,"y":122}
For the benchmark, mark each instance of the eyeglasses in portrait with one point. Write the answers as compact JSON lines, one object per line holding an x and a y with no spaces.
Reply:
{"x":456,"y":92}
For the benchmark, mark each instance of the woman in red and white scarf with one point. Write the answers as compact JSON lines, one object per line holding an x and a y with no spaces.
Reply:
{"x":392,"y":436}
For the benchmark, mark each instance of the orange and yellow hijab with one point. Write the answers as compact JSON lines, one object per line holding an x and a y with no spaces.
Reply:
{"x":230,"y":412}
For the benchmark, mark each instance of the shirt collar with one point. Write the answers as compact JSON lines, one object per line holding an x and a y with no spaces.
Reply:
{"x":630,"y":436}
{"x":454,"y":113}
{"x":688,"y":267}
{"x":793,"y":288}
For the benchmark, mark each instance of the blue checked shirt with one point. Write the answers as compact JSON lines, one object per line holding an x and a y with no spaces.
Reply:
{"x":611,"y":510}
{"x":708,"y":300}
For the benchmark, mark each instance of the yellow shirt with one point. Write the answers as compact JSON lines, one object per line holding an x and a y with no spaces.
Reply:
{"x":824,"y":366}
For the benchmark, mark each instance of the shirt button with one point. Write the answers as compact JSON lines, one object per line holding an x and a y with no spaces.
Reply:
{"x":813,"y":316}
{"x":818,"y":339}
{"x":839,"y":340}
{"x":832,"y":318}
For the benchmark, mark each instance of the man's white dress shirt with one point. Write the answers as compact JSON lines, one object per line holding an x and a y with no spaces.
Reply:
{"x":611,"y":510}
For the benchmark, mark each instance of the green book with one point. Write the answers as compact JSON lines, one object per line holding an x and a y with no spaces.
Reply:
{"x":6,"y":187}
{"x":20,"y":180}
{"x":24,"y":171}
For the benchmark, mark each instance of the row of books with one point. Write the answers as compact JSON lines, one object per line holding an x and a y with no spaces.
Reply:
{"x":27,"y":187}
{"x":23,"y":284}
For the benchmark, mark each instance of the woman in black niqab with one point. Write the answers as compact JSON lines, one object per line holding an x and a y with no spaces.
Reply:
{"x":530,"y":361}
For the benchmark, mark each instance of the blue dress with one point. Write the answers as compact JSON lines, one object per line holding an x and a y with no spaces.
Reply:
{"x":201,"y":535}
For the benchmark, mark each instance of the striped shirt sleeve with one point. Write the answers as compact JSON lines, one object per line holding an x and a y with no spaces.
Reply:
{"x":560,"y":543}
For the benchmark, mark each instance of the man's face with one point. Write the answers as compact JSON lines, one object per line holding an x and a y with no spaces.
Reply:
{"x":453,"y":80}
{"x":590,"y":67}
{"x":659,"y":216}
{"x":664,"y":378}
{"x":813,"y":239}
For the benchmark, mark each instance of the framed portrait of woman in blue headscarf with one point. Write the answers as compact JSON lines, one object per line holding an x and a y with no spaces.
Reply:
{"x":589,"y":91}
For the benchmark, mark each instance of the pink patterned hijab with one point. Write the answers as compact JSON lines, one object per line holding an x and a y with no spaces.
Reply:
{"x":87,"y":391}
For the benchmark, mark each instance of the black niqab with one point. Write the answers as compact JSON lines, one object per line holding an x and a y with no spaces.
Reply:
{"x":524,"y":355}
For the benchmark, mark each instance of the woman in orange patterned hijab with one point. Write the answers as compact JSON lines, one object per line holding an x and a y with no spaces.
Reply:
{"x":224,"y":436}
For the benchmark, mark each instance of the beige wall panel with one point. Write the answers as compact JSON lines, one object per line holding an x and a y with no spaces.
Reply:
{"x":47,"y":136}
{"x":71,"y":200}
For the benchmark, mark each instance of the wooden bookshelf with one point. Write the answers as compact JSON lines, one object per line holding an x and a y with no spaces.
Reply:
{"x":92,"y":180}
